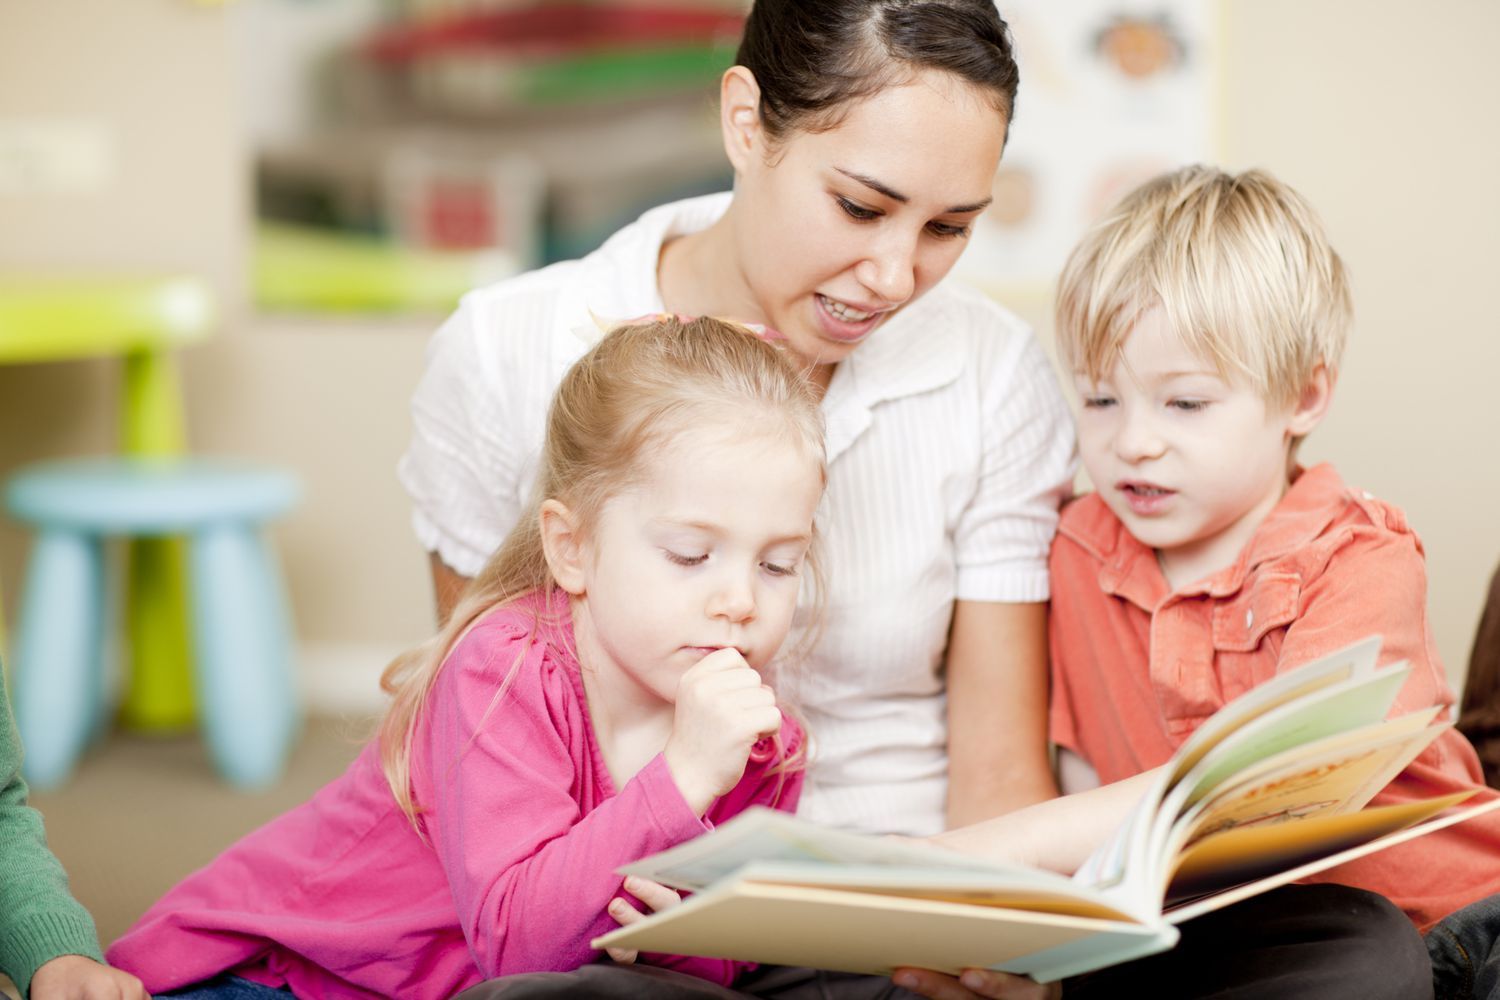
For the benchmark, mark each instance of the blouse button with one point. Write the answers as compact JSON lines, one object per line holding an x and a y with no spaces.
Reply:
{"x":1250,"y":618}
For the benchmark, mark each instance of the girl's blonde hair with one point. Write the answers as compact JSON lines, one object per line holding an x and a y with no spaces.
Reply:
{"x":638,"y":386}
{"x":1239,"y":264}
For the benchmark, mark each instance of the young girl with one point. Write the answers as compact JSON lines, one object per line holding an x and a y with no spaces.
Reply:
{"x":595,"y":696}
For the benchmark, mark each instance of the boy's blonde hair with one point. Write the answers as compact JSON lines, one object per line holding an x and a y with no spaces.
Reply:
{"x":633,"y":390}
{"x":1240,"y":266}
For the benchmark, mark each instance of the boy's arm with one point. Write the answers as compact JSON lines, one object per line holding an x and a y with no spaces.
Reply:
{"x":39,"y":919}
{"x":997,"y":710}
{"x":1058,"y":834}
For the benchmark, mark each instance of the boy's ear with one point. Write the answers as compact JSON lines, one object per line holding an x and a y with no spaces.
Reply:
{"x":1312,"y":406}
{"x":563,"y":545}
{"x":739,"y":116}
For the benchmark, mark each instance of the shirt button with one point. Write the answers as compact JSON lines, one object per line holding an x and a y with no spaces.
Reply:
{"x":1250,"y":618}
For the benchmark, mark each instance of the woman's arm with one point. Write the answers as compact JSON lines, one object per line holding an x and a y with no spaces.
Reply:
{"x":997,"y":710}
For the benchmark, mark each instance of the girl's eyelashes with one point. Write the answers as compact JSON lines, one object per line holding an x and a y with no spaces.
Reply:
{"x":682,"y":560}
{"x":1092,"y":401}
{"x":779,"y":569}
{"x":855,"y":210}
{"x":1188,"y":405}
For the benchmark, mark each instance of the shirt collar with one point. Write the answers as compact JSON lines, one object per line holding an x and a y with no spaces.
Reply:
{"x":917,"y":350}
{"x":1129,"y":568}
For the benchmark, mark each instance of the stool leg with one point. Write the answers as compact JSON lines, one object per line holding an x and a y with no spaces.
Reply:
{"x":58,"y":645}
{"x":243,"y":653}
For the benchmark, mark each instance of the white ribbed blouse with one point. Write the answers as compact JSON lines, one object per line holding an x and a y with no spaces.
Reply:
{"x":949,"y":446}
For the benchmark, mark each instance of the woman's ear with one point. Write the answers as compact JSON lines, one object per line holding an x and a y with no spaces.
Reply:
{"x":739,"y":116}
{"x":563,"y":545}
{"x":1312,"y":406}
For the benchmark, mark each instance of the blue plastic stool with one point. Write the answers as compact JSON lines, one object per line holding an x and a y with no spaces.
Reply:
{"x":241,"y":633}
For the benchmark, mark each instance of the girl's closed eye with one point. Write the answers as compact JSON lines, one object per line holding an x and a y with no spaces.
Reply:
{"x":1096,"y":401}
{"x":685,"y":560}
{"x":780,"y":567}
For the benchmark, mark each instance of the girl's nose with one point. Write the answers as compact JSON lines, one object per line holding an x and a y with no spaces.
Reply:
{"x":733,"y":598}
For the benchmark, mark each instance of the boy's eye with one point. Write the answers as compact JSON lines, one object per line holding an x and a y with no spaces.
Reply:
{"x":947,"y":230}
{"x":857,"y":211}
{"x":682,"y":560}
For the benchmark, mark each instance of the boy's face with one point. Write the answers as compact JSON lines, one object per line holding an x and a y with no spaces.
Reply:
{"x":1189,"y":462}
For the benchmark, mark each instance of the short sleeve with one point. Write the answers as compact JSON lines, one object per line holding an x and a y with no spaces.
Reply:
{"x":1027,"y":461}
{"x":464,"y":465}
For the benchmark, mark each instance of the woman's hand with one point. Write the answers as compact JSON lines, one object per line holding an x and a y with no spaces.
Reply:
{"x":975,"y":983}
{"x":722,"y":708}
{"x":656,"y":896}
{"x":75,"y":977}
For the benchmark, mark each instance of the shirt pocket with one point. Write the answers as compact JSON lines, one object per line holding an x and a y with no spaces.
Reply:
{"x":1269,"y":602}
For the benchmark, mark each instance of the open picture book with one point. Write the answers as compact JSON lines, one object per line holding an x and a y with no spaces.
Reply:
{"x":1271,"y":788}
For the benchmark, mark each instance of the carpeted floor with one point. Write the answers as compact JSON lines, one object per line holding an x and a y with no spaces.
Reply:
{"x":141,"y":812}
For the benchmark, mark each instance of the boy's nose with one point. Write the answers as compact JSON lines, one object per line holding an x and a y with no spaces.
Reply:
{"x":1137,"y":440}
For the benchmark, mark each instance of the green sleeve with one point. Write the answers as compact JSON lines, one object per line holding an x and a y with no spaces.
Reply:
{"x":39,"y":918}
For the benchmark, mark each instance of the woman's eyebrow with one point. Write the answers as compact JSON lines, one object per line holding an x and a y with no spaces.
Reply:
{"x":897,"y":196}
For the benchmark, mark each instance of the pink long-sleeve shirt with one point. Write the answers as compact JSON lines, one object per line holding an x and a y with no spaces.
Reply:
{"x":524,"y":829}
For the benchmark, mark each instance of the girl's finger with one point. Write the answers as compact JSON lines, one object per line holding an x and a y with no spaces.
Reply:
{"x":656,"y":896}
{"x":622,"y":956}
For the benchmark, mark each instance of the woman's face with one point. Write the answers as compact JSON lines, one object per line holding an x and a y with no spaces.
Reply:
{"x":838,"y":230}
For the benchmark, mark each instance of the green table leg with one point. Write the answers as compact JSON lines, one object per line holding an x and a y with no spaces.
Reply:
{"x":159,"y":692}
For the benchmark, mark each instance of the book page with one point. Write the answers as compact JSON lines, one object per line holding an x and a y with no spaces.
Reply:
{"x":1303,"y":849}
{"x":1360,"y":701}
{"x":761,"y":834}
{"x":1347,"y":664}
{"x":853,"y":932}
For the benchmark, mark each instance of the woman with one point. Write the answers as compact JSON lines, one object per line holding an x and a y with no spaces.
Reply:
{"x":864,"y":135}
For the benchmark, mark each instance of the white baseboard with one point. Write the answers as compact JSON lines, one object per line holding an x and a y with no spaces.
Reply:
{"x":343,"y":678}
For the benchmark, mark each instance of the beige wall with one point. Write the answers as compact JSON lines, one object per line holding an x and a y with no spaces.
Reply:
{"x":1381,"y":112}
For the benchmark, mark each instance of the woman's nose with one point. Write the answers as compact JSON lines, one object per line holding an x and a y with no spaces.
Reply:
{"x":890,"y":270}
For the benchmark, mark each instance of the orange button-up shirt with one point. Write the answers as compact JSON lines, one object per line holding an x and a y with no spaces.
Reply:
{"x":1137,"y":666}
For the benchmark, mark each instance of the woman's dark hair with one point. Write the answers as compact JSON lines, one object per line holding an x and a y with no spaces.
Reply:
{"x":812,"y":58}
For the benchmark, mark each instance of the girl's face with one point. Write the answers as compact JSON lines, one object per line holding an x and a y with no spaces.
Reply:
{"x":839,"y":230}
{"x":706,"y":552}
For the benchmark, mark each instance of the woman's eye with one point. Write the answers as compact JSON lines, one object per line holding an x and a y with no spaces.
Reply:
{"x":857,"y":211}
{"x":682,"y":560}
{"x":947,"y":230}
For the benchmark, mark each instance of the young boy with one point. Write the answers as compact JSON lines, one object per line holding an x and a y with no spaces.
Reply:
{"x":1203,"y":321}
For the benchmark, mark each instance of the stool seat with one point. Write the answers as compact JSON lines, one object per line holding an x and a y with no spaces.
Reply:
{"x":147,"y":496}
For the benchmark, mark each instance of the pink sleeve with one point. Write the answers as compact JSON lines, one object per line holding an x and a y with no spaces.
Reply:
{"x":530,"y":875}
